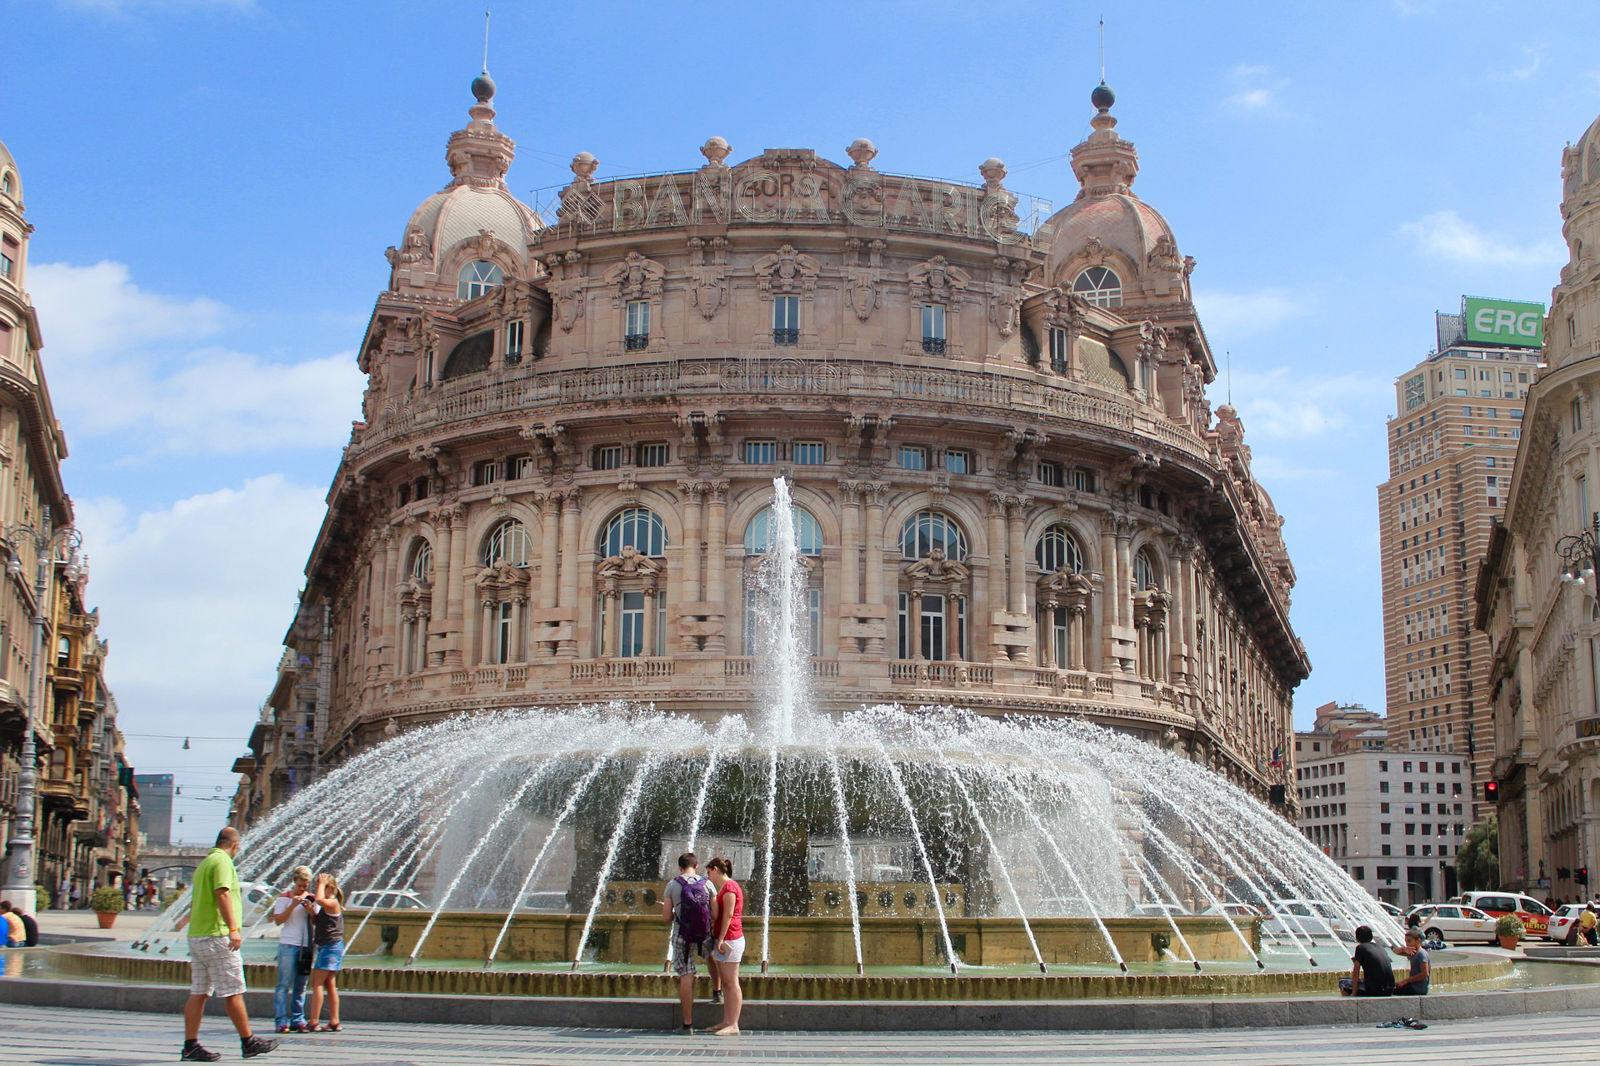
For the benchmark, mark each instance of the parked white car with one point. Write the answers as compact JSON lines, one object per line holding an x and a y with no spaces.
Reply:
{"x":1454,"y":921}
{"x":1564,"y":924}
{"x":1159,"y":910}
{"x":1308,"y":920}
{"x":389,"y":899}
{"x":1236,"y":911}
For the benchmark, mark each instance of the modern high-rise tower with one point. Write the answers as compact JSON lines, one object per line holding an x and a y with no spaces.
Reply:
{"x":1452,"y":440}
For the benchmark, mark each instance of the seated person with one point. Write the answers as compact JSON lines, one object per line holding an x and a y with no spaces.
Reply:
{"x":1370,"y":972}
{"x":1414,"y":983}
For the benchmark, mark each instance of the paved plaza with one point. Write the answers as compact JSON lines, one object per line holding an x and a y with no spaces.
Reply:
{"x":107,"y":1038}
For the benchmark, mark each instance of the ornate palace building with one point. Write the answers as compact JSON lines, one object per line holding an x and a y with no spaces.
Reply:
{"x":1544,"y":626}
{"x":85,"y":804}
{"x":1013,"y":494}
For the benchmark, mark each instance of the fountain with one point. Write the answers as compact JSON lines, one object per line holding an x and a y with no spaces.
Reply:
{"x":892,"y":840}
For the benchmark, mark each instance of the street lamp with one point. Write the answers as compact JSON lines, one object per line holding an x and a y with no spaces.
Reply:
{"x":46,"y":539}
{"x":1580,"y":554}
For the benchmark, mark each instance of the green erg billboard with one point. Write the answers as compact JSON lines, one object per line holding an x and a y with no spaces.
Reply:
{"x":1507,"y":323}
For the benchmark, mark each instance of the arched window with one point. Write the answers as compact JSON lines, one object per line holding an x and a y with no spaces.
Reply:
{"x":422,"y":561}
{"x":507,"y":543}
{"x":1058,"y":550}
{"x":5,"y":183}
{"x":927,"y":530}
{"x":64,"y":651}
{"x":1100,"y":286}
{"x":470,"y":356}
{"x":637,"y":528}
{"x":807,"y":533}
{"x":1144,"y":572}
{"x":477,"y":278}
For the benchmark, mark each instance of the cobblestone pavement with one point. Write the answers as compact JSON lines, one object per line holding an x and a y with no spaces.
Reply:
{"x":56,"y":1037}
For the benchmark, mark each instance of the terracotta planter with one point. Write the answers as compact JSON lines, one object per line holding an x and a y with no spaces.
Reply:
{"x":107,"y":918}
{"x":1510,"y":942}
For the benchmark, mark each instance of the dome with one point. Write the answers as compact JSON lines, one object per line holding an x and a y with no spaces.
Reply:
{"x":1585,"y":159}
{"x":10,"y":177}
{"x":460,"y":212}
{"x":1122,"y":222}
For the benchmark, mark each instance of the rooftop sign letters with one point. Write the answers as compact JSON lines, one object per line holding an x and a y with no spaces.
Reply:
{"x":1504,"y":323}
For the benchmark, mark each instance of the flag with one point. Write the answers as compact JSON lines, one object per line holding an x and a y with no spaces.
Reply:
{"x":1277,"y":757}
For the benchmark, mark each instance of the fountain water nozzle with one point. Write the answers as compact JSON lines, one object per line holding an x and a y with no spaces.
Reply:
{"x":1043,"y":968}
{"x":763,"y":966}
{"x":1196,"y":965}
{"x":861,"y":971}
{"x":952,"y":967}
{"x":1124,"y":966}
{"x":1260,"y":965}
{"x":1311,"y":960}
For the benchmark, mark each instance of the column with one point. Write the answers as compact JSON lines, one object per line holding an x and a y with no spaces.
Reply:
{"x":850,"y":544}
{"x":443,"y":584}
{"x":997,"y":551}
{"x":571,"y":508}
{"x":648,"y":631}
{"x":457,"y":603}
{"x":874,"y":541}
{"x":914,"y":621}
{"x":1016,"y":557}
{"x":519,"y":639}
{"x":549,"y":541}
{"x":486,"y":634}
{"x":1047,"y":634}
{"x":693,"y":495}
{"x":1111,"y":609}
{"x":717,"y":563}
{"x":391,"y":602}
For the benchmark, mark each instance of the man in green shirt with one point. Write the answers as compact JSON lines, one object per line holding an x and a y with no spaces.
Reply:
{"x":216,"y":911}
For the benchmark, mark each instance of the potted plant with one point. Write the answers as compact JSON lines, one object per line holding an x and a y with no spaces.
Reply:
{"x":107,"y":903}
{"x":1509,"y":929}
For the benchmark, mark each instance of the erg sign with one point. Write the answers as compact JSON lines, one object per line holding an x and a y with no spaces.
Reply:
{"x":1503,"y":322}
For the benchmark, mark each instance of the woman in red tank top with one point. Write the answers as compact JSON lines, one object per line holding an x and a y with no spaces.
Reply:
{"x":727,"y":917}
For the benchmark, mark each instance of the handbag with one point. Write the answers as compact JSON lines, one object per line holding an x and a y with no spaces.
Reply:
{"x":305,"y":961}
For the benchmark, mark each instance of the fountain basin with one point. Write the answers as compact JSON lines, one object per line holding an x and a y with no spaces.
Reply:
{"x":428,"y":977}
{"x":805,"y":941}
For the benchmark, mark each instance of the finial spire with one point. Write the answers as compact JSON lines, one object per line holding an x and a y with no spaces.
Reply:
{"x":1103,"y":50}
{"x":486,"y":47}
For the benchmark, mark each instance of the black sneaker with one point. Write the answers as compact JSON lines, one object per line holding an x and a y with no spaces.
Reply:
{"x":256,"y":1046}
{"x":197,"y":1052}
{"x":716,"y":996}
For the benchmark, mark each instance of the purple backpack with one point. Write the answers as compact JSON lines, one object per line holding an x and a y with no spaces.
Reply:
{"x":694,"y":910}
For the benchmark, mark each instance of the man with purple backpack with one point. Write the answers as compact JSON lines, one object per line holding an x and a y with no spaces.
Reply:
{"x":686,"y":906}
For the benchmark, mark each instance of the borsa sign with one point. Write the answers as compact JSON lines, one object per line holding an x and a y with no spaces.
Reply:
{"x":1503,"y":322}
{"x":757,"y":196}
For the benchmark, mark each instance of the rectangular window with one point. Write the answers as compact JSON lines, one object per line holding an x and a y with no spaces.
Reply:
{"x":933,"y":339}
{"x":486,"y":472}
{"x":654,"y":453}
{"x":514,"y":342}
{"x":608,"y":457}
{"x":638,"y":332}
{"x":519,"y":466}
{"x":933,"y":629}
{"x":786,"y":320}
{"x":913,"y":457}
{"x":504,"y":634}
{"x":1050,"y":473}
{"x":1058,"y":350}
{"x":761,"y":451}
{"x":630,"y":636}
{"x":7,"y":265}
{"x":810,"y":453}
{"x":902,"y":648}
{"x":1083,"y":479}
{"x":957,"y":462}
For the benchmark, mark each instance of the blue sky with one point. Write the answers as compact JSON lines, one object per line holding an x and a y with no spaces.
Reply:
{"x":213,"y":183}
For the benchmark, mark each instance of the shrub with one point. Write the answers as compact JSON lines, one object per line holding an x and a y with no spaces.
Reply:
{"x":107,"y":900}
{"x":41,"y":897}
{"x":1509,"y":925}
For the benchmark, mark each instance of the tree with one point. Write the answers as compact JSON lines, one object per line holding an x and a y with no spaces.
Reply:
{"x":1478,"y":860}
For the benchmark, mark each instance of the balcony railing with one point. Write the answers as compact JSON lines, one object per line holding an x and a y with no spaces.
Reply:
{"x":785,"y":337}
{"x":636,"y":342}
{"x":933,"y":345}
{"x":630,"y":669}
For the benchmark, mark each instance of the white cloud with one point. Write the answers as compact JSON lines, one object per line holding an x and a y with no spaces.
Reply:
{"x":1255,"y":89}
{"x":1446,"y":235}
{"x":1228,"y":316}
{"x":1532,"y":60}
{"x":135,"y":364}
{"x":1281,"y":404}
{"x":195,"y":599}
{"x":139,"y":7}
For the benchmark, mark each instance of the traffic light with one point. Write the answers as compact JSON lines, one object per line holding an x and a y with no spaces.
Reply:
{"x":1491,"y":791}
{"x":1582,"y":876}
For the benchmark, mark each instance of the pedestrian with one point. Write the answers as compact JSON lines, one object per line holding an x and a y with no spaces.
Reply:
{"x":16,"y":934}
{"x":1370,"y":972}
{"x":728,"y":941}
{"x":215,"y":962}
{"x":327,"y":934}
{"x":292,"y":912}
{"x":1587,"y":920}
{"x":73,"y":896}
{"x":1414,"y":983}
{"x":686,"y":907}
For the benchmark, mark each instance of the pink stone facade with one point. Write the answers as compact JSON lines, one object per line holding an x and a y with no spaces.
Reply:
{"x":1016,"y":497}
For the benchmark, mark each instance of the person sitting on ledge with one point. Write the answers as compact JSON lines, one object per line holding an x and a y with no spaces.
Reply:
{"x":1416,"y":982}
{"x":1370,"y":972}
